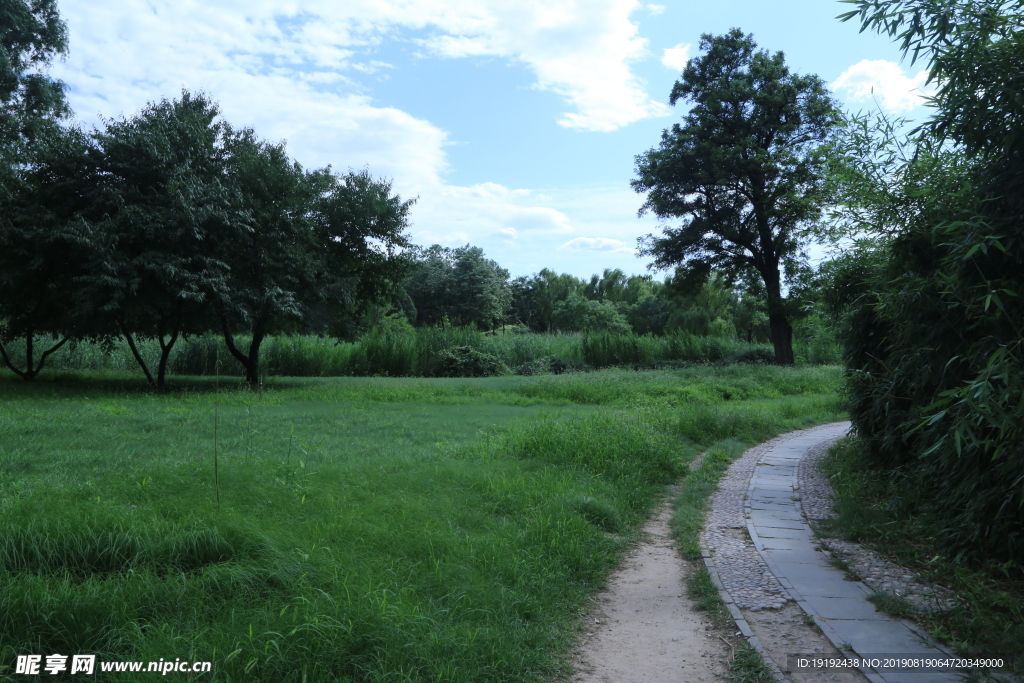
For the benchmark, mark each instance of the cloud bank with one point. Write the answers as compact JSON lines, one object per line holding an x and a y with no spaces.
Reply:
{"x":885,"y":81}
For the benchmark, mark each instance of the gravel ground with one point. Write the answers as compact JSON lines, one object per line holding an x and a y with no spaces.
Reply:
{"x":777,"y":622}
{"x":643,"y":627}
{"x":745,"y":575}
{"x":877,"y":572}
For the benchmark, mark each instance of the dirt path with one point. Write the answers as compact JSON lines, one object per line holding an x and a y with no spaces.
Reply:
{"x":643,"y":627}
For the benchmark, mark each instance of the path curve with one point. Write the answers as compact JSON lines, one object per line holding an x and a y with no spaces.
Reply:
{"x":780,"y":562}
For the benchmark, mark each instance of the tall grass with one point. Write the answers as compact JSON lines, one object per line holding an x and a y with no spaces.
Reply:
{"x":420,"y":353}
{"x":383,"y":530}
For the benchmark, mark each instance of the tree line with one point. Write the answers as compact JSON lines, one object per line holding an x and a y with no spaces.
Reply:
{"x":172,"y":222}
{"x":461,"y":287}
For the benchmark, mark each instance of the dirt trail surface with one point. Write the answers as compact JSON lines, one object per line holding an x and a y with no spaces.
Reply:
{"x":643,"y":627}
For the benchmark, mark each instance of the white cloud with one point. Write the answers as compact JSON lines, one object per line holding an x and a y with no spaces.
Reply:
{"x":655,"y":10}
{"x":676,"y":57}
{"x":264,"y":60}
{"x":579,"y":50}
{"x":485,"y":210}
{"x":291,"y":71}
{"x":885,"y":81}
{"x":596,"y":244}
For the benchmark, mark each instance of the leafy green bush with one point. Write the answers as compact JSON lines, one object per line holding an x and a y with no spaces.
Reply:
{"x":465,"y":361}
{"x":931,"y":299}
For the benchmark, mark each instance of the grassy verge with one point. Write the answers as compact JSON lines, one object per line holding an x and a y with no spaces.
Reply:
{"x":988,"y":617}
{"x":366,"y":529}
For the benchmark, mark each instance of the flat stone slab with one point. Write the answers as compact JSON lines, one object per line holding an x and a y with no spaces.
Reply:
{"x":844,"y":608}
{"x":770,"y":522}
{"x":775,"y":532}
{"x":760,"y":517}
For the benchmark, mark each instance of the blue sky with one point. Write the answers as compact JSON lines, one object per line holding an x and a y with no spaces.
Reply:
{"x":514,"y":122}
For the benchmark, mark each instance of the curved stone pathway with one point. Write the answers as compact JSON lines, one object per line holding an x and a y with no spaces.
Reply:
{"x":875,"y":571}
{"x":765,"y":556}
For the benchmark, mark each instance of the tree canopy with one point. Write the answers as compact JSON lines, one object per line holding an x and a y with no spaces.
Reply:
{"x":458,"y":287}
{"x":35,"y":236}
{"x":744,"y":171}
{"x":31,"y":35}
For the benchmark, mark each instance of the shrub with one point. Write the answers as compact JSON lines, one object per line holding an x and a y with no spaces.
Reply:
{"x":465,"y":361}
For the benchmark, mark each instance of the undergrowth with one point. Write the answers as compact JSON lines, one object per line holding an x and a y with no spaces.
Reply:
{"x":987,"y":619}
{"x":427,"y":352}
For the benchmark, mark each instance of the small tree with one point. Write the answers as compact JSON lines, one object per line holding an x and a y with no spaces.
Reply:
{"x":159,"y":185}
{"x":271,"y":254}
{"x":311,"y":250}
{"x":744,"y":171}
{"x":359,"y":231}
{"x":45,"y":244}
{"x":459,"y":285}
{"x":31,"y":35}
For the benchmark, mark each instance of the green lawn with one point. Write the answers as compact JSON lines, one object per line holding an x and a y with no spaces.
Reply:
{"x":368,"y":529}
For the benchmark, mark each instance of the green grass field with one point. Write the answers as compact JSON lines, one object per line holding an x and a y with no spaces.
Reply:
{"x":368,"y":529}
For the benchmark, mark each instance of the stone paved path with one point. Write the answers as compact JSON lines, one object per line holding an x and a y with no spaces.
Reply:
{"x":786,"y":545}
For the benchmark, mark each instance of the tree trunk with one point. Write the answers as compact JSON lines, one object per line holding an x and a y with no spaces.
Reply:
{"x":165,"y":354}
{"x":30,"y":372}
{"x":165,"y":350}
{"x":779,"y":329}
{"x":250,"y":361}
{"x":252,"y":374}
{"x":135,"y":352}
{"x":782,"y":339}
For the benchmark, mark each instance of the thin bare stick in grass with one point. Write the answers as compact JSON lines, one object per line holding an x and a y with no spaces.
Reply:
{"x":216,"y":394}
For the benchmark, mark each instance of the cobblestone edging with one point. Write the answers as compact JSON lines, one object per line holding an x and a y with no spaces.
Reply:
{"x":736,"y":568}
{"x":743,"y":573}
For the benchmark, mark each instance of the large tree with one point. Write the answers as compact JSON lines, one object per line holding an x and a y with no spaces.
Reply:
{"x":744,"y":171}
{"x":159,"y":184}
